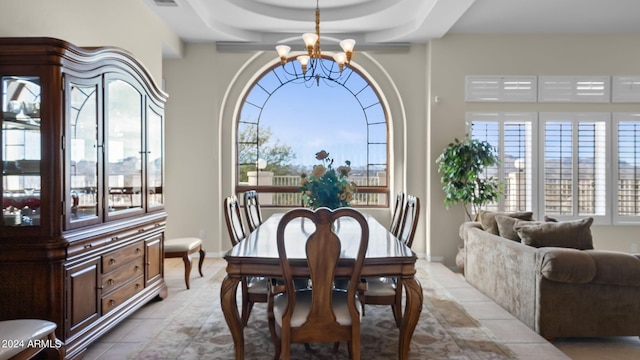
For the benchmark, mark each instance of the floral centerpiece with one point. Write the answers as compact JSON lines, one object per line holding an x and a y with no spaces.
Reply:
{"x":327,"y":186}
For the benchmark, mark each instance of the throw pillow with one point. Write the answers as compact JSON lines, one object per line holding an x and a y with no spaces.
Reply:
{"x":488,"y":219}
{"x":566,"y":234}
{"x":507,"y":224}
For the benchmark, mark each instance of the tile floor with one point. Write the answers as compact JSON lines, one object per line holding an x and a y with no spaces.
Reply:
{"x":126,"y":337}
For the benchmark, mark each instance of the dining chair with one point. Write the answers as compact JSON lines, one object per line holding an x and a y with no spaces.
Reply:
{"x":321,"y":313}
{"x":397,"y":214}
{"x":388,"y":290}
{"x":252,"y":211}
{"x":254,"y":288}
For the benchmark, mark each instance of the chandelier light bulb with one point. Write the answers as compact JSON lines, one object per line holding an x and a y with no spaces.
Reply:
{"x":310,"y":40}
{"x":347,"y":46}
{"x":340,"y":58}
{"x":283,"y":52}
{"x":303,"y":60}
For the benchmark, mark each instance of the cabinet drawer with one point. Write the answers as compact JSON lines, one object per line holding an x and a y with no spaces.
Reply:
{"x":114,"y":299}
{"x":122,"y":274}
{"x":115,"y":259}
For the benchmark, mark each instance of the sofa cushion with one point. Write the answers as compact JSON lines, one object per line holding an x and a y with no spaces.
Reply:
{"x":566,"y":265}
{"x":566,"y":234}
{"x":488,"y":219}
{"x":507,"y":224}
{"x":616,"y":268}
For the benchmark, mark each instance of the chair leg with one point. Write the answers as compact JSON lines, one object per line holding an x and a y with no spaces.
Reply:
{"x":202,"y":254}
{"x":187,"y":269}
{"x":247,"y":305}
{"x":396,"y":308}
{"x":352,"y":355}
{"x":272,"y":329}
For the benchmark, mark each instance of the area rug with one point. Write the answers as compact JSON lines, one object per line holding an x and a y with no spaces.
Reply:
{"x":445,"y":331}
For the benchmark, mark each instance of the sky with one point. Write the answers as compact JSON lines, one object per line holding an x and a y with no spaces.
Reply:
{"x":326,"y":116}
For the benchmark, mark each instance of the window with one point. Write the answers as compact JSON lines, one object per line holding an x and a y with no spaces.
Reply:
{"x":511,"y":134}
{"x":627,"y":172}
{"x":574,"y":164}
{"x":567,"y":176}
{"x":285,"y":119}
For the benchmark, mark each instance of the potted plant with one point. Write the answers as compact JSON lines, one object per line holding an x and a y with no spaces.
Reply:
{"x":462,"y":165}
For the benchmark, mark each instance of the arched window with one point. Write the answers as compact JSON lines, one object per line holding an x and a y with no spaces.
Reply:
{"x":287,"y":117}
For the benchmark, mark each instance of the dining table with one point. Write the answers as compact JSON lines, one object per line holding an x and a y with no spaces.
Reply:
{"x":257,"y":255}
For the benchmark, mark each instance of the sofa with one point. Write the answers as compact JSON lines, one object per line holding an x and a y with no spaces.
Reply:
{"x":552,"y":280}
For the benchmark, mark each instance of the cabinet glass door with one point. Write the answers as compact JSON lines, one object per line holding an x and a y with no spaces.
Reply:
{"x":21,"y":151}
{"x":155,"y":161}
{"x":124,"y":147}
{"x":84,"y":150}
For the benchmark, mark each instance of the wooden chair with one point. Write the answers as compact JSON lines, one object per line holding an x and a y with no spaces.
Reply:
{"x":394,"y":228}
{"x":183,"y":248}
{"x":321,"y":313}
{"x":19,"y":336}
{"x":233,"y":219}
{"x":254,"y":288}
{"x":252,"y":209}
{"x":386,"y":290}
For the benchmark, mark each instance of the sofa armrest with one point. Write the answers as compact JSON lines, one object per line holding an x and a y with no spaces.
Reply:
{"x":502,"y":269}
{"x":616,"y":268}
{"x":566,"y":265}
{"x":584,"y":266}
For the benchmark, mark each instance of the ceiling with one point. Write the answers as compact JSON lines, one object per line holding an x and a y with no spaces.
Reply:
{"x":376,"y":22}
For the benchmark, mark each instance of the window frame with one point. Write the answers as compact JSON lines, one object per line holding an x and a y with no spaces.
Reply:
{"x":297,"y":75}
{"x":575,"y":118}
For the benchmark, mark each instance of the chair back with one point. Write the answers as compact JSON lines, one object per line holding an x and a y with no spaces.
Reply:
{"x":252,"y":210}
{"x":233,"y":219}
{"x":410,"y":217}
{"x":323,"y":249}
{"x":397,"y":214}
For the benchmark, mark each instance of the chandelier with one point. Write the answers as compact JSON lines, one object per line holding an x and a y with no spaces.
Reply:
{"x":313,"y":61}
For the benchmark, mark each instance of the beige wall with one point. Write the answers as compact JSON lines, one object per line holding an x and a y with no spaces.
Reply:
{"x":205,"y":87}
{"x":127,"y":24}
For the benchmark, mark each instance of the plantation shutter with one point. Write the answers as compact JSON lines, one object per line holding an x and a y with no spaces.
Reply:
{"x":625,"y":89}
{"x":500,"y":88}
{"x":595,"y":89}
{"x":574,"y":162}
{"x":627,"y":174}
{"x":511,"y":134}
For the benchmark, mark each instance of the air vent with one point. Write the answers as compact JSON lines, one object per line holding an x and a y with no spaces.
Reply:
{"x":166,"y":2}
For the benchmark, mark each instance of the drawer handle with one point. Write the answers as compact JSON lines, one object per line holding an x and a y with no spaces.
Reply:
{"x":138,"y":286}
{"x":138,"y":251}
{"x":110,"y":282}
{"x":114,"y":238}
{"x":88,"y":246}
{"x":100,"y":287}
{"x":112,"y":302}
{"x":140,"y":230}
{"x":137,"y":268}
{"x":112,"y":261}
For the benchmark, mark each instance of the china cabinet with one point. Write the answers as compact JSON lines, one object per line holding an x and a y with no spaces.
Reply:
{"x":82,"y":227}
